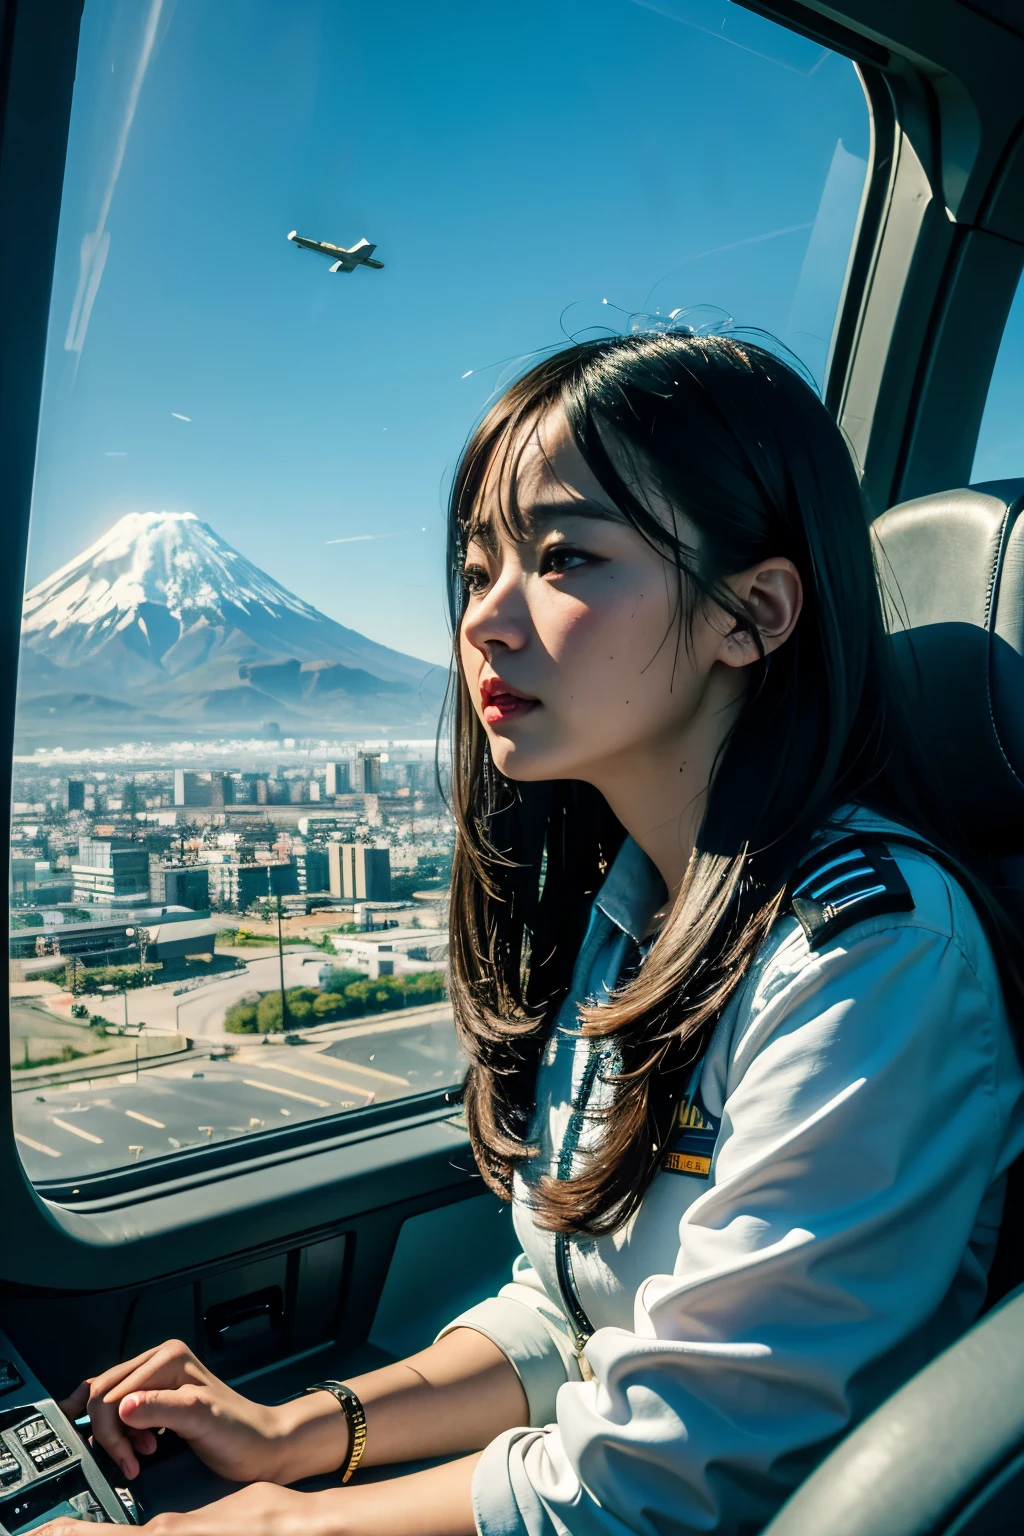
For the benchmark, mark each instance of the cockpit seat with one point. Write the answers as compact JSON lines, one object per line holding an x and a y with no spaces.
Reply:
{"x":952,"y":572}
{"x":945,"y":1455}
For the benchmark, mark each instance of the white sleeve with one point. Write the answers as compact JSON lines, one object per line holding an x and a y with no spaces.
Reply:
{"x":860,"y":1132}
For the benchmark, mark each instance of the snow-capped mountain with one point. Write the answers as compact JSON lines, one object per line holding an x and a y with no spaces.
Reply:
{"x":164,"y":618}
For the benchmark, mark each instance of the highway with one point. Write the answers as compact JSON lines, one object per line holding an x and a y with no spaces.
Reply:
{"x":108,"y":1122}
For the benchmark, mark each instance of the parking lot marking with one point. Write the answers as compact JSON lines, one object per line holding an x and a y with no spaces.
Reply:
{"x":389,"y":1077}
{"x":135,"y":1115}
{"x":37,"y":1146}
{"x":312,"y":1077}
{"x":77,"y":1131}
{"x":289,"y":1093}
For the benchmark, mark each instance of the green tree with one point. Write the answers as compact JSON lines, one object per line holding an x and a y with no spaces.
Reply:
{"x":241,"y":1019}
{"x":339,"y":977}
{"x":268,"y":1013}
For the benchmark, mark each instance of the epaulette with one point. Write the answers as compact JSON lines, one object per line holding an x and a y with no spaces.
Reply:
{"x":845,"y":882}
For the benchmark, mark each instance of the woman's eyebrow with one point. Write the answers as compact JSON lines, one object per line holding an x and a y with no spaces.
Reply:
{"x":538,"y":518}
{"x":544,"y":514}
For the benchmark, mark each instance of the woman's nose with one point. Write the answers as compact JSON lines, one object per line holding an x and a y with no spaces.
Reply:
{"x":498,"y":617}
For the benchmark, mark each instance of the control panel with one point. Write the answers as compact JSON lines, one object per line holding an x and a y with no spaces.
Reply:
{"x":46,"y":1467}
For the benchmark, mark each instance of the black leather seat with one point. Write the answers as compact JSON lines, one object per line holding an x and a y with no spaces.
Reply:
{"x":945,"y":1454}
{"x":952,"y":570}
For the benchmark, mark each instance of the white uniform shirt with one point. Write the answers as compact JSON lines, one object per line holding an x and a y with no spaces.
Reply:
{"x":864,"y":1102}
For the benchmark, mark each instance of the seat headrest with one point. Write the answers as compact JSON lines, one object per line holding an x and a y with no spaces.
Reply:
{"x":952,"y":574}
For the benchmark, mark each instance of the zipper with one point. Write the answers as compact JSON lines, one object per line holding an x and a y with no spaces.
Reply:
{"x":581,"y":1326}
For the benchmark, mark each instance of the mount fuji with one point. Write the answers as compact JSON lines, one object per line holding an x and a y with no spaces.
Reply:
{"x":161,"y":625}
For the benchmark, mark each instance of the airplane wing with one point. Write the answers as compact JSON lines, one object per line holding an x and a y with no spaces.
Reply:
{"x":343,"y":265}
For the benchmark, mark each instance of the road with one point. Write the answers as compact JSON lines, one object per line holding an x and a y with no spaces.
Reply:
{"x":105,"y":1123}
{"x":200,"y":1013}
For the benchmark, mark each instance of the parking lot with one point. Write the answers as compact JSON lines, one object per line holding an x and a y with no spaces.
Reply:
{"x":107,"y":1122}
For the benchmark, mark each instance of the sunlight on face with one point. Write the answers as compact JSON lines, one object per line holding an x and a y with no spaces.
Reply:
{"x":570,"y":644}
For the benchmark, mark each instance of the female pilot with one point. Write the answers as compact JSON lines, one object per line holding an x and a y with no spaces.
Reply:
{"x":739,"y":1045}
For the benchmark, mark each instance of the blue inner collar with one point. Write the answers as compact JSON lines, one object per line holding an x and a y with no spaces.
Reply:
{"x":632,"y":891}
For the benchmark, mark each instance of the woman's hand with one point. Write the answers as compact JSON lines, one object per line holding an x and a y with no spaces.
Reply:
{"x":437,"y":1502}
{"x":168,"y":1387}
{"x":262,"y":1509}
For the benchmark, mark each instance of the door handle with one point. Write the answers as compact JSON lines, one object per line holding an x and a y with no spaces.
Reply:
{"x":244,"y":1318}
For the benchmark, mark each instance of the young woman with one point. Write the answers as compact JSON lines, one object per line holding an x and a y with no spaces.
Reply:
{"x":739,"y":1043}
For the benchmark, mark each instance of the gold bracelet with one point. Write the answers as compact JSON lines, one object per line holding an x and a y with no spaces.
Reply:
{"x":355,"y":1418}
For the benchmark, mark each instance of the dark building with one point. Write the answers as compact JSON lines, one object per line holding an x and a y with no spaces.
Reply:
{"x":339,"y":779}
{"x":202,"y":789}
{"x":367,"y":773}
{"x":313,"y":869}
{"x":187,"y":885}
{"x":236,"y":886}
{"x":76,"y":794}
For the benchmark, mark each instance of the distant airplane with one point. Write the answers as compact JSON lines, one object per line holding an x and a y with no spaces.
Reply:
{"x":345,"y":261}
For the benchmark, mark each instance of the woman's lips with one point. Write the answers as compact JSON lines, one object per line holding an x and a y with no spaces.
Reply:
{"x":506,"y":706}
{"x":499,"y":702}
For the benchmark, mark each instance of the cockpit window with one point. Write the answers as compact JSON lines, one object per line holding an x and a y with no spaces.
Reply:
{"x":301,"y":246}
{"x":1000,"y":451}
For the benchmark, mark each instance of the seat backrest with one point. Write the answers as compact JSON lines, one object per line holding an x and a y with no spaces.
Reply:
{"x":952,"y":572}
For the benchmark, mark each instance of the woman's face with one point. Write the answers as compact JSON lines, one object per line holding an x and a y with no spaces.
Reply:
{"x":570,"y":643}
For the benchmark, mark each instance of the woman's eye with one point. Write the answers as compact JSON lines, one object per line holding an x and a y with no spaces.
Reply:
{"x":559,"y":558}
{"x":474,"y":578}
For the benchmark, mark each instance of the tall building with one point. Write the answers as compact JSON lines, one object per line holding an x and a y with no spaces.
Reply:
{"x":359,"y":873}
{"x":110,"y":869}
{"x":339,"y":779}
{"x":187,"y":885}
{"x":221,"y":790}
{"x":190,"y":788}
{"x":202,"y":789}
{"x":76,"y":794}
{"x":367,"y":773}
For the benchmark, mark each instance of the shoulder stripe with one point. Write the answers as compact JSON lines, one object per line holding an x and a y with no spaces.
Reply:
{"x":865,"y":882}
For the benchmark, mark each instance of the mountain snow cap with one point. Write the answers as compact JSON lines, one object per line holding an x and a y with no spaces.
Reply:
{"x":169,"y":558}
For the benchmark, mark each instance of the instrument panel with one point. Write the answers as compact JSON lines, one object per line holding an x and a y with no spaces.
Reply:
{"x":46,"y":1467}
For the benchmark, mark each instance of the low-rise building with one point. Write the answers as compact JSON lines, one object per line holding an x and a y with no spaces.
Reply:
{"x":235,"y":886}
{"x":392,"y":951}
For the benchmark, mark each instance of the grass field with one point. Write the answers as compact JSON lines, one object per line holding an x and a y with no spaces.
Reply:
{"x":39,"y":1038}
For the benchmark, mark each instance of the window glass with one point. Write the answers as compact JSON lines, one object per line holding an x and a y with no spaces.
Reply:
{"x":1000,"y":451}
{"x":234,"y":640}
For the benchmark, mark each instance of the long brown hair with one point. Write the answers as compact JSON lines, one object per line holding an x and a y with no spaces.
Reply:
{"x":733,"y":438}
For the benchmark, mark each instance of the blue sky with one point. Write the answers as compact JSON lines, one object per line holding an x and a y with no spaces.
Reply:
{"x":1000,"y":451}
{"x":516,"y":162}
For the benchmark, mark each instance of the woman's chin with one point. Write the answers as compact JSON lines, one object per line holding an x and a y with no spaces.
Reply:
{"x":530,"y":763}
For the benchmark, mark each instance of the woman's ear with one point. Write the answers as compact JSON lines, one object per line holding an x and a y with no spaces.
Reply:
{"x":773,"y":595}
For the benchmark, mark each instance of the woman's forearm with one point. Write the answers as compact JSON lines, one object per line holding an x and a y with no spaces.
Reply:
{"x":454,"y":1396}
{"x":437,"y":1502}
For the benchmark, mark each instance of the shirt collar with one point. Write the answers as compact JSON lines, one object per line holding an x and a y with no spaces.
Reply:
{"x":632,"y":891}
